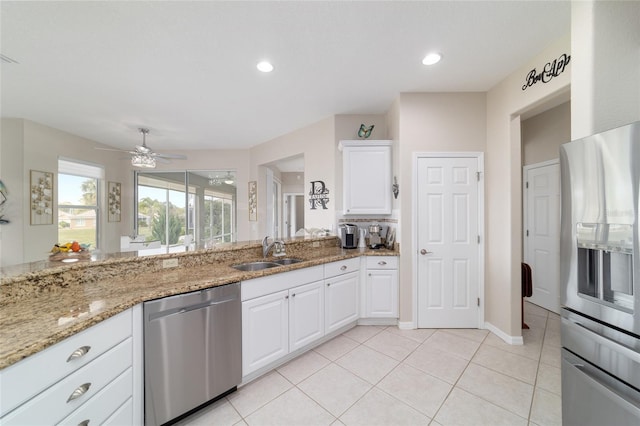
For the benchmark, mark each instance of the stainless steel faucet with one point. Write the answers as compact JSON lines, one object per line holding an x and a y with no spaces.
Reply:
{"x":279,"y":249}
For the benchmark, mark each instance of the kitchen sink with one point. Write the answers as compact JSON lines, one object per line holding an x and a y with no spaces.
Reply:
{"x":260,"y":265}
{"x":288,"y":261}
{"x":255,"y":266}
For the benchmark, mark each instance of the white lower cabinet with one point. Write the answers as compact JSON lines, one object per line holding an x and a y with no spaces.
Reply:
{"x":341,"y":304}
{"x":265,"y":330}
{"x":381,"y":287}
{"x":287,"y":312}
{"x":306,"y":315}
{"x":85,"y":379}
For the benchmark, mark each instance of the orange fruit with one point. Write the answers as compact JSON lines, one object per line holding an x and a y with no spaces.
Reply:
{"x":75,"y":246}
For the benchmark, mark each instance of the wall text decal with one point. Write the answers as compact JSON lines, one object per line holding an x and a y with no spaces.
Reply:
{"x":550,"y":70}
{"x":319,"y":195}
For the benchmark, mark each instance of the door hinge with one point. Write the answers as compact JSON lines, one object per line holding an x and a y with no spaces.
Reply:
{"x":478,"y":301}
{"x":478,"y":176}
{"x":526,"y":185}
{"x":478,"y":239}
{"x":527,"y":232}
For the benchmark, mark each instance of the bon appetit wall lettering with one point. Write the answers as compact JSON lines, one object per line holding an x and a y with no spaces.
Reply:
{"x":549,"y":71}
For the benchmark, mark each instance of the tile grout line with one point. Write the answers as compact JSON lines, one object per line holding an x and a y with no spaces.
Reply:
{"x":458,"y":379}
{"x":535,"y":386}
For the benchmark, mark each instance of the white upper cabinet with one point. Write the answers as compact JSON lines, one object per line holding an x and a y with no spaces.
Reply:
{"x":366,"y":177}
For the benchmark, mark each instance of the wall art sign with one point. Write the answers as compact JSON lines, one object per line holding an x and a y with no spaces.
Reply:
{"x":319,"y":195}
{"x":114,"y":189}
{"x":253,"y":201}
{"x":41,"y":196}
{"x":3,"y":199}
{"x":549,"y":71}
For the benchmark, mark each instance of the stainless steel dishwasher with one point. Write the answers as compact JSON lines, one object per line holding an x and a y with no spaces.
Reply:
{"x":192,"y":351}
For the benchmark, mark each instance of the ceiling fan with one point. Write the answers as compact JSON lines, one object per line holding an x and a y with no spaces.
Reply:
{"x":145,"y":157}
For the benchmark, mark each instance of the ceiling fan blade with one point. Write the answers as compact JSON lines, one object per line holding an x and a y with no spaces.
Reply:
{"x":112,"y":149}
{"x":161,"y":160}
{"x":174,"y":156}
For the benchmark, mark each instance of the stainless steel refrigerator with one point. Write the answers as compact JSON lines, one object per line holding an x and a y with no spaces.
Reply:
{"x":600,"y":278}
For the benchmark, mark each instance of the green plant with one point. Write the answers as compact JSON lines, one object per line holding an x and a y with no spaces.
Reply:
{"x":158,"y":227}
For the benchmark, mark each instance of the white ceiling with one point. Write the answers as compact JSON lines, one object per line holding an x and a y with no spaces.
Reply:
{"x":186,"y":70}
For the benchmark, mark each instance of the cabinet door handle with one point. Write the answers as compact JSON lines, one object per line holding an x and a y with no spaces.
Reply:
{"x":80,"y":390}
{"x":293,"y":295}
{"x":382,"y":262}
{"x":369,"y":273}
{"x":79,"y":353}
{"x":287,"y":296}
{"x":84,"y":423}
{"x":343,"y":268}
{"x":328,"y":284}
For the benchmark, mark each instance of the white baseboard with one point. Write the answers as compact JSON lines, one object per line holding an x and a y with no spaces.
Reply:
{"x":407,"y":325}
{"x":377,"y":321}
{"x":512,"y":340}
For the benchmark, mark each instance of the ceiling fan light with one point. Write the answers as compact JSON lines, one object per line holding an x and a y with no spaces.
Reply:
{"x":143,"y":161}
{"x":228,"y":179}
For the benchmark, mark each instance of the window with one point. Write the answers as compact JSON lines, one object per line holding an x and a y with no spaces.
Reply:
{"x":176,"y":207}
{"x":79,"y":202}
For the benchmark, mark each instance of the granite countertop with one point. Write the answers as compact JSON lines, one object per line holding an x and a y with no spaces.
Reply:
{"x":51,"y":312}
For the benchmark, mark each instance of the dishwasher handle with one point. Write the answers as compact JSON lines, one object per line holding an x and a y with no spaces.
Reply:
{"x":191,"y":308}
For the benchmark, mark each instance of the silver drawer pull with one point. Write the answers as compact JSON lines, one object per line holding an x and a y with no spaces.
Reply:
{"x":343,"y":267}
{"x":78,"y":353}
{"x":84,"y":423}
{"x":80,"y":390}
{"x":382,"y":262}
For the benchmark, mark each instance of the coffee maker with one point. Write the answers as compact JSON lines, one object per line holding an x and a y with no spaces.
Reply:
{"x":349,"y":235}
{"x":375,"y":239}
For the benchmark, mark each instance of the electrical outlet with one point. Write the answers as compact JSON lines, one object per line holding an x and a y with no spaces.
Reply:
{"x":315,"y":244}
{"x":170,"y":263}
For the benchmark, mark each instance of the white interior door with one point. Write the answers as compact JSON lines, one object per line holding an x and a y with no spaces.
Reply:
{"x":448,"y":242}
{"x":542,"y":232}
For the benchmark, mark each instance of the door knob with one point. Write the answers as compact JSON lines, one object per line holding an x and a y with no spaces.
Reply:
{"x":423,"y":252}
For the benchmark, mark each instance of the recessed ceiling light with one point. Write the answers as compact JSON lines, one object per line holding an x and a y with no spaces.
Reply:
{"x":265,"y":66}
{"x":432,"y":58}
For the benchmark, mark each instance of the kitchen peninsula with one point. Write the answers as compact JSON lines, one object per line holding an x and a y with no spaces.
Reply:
{"x":43,"y":303}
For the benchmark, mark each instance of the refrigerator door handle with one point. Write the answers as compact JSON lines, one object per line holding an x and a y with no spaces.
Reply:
{"x":623,"y":395}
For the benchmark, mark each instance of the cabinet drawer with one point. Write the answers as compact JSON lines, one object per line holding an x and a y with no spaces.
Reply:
{"x":23,"y":380}
{"x":122,"y":416}
{"x":262,"y":286}
{"x":382,"y":262}
{"x":341,"y":267}
{"x":54,"y":404}
{"x":105,"y":403}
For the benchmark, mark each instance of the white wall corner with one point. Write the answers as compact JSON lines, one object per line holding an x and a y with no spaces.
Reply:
{"x":407,"y":325}
{"x":512,"y":340}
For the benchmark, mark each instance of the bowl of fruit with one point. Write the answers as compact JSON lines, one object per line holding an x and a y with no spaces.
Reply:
{"x":70,"y":252}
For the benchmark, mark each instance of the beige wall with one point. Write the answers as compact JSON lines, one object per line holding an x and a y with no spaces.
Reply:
{"x":11,"y":173}
{"x":316,"y":143}
{"x":503,"y":184}
{"x":429,"y":122}
{"x":25,"y":146}
{"x":543,"y":134}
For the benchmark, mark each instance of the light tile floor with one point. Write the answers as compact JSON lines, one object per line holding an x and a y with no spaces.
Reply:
{"x":374,"y":375}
